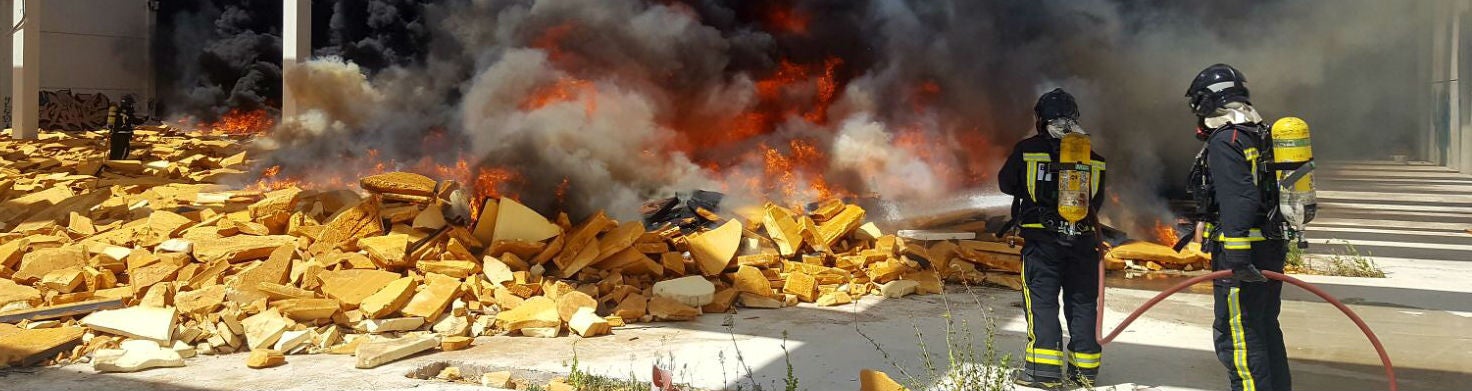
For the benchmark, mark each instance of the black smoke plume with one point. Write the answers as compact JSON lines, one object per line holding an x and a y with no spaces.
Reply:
{"x":907,"y":99}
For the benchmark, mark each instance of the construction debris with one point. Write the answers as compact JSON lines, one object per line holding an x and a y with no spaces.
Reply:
{"x":136,"y":355}
{"x":373,"y":354}
{"x":264,"y":358}
{"x":872,"y":380}
{"x":157,"y":252}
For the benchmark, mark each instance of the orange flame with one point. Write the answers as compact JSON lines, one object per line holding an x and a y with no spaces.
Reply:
{"x":239,"y":122}
{"x":788,"y":20}
{"x":565,"y":89}
{"x":1165,"y":234}
{"x":492,"y":181}
{"x":827,"y":89}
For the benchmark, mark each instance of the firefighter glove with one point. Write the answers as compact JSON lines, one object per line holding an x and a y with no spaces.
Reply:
{"x":1247,"y":273}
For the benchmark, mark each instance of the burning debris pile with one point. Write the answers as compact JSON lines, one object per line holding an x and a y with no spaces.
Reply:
{"x":153,"y":261}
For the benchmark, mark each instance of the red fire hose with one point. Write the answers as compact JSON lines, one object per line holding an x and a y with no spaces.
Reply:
{"x":1099,"y":323}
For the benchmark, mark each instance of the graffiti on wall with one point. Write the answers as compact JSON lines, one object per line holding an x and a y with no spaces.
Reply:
{"x":64,"y":110}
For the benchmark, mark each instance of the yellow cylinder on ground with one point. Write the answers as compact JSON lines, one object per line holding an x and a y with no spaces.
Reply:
{"x":1291,"y":145}
{"x":1073,"y":177}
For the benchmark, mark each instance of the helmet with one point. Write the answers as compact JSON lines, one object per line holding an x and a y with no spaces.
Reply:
{"x":1215,"y":87}
{"x":1053,"y":105}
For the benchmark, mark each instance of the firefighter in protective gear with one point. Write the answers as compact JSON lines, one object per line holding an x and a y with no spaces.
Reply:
{"x":1237,"y":200}
{"x":120,"y":123}
{"x":1058,"y":256}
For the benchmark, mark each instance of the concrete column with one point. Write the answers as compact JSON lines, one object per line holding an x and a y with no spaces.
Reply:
{"x":25,"y":66}
{"x":296,"y":47}
{"x":1454,"y":60}
{"x":1453,"y":92}
{"x":5,"y":86}
{"x":146,"y":103}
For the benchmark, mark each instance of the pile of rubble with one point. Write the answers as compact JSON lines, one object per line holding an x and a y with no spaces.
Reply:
{"x":1156,"y":260}
{"x":148,"y":262}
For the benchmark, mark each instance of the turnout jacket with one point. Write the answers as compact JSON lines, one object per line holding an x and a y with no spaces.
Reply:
{"x":1028,"y":176}
{"x":1233,"y":155}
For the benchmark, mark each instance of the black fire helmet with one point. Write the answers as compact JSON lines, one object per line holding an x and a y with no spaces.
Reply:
{"x":1214,"y":88}
{"x":1055,"y":104}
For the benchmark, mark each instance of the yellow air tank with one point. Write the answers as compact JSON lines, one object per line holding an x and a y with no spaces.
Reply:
{"x":1073,"y":177}
{"x":1291,"y":148}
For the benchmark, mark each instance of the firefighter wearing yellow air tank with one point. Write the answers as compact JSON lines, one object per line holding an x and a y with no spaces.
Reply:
{"x":1248,"y":220}
{"x":1056,"y":182}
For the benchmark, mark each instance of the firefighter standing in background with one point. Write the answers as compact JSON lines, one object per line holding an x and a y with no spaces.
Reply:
{"x":1058,"y":256}
{"x":120,"y":122}
{"x":1237,"y":200}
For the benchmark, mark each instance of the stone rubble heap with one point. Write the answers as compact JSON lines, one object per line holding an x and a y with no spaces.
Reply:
{"x":149,"y":262}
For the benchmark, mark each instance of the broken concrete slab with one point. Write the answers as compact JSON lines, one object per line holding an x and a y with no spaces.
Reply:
{"x":750,"y":300}
{"x":274,"y":270}
{"x":306,"y":310}
{"x":748,"y":279}
{"x":290,"y":340}
{"x":263,"y":329}
{"x":135,"y":357}
{"x":872,"y":380}
{"x":713,"y":250}
{"x":30,"y":346}
{"x":452,"y":325}
{"x":452,"y":343}
{"x":390,"y":299}
{"x":155,"y":324}
{"x":353,"y":285}
{"x":388,"y":250}
{"x":535,"y":312}
{"x":432,"y":299}
{"x":376,"y":326}
{"x":200,"y":301}
{"x":515,"y":221}
{"x":664,"y":308}
{"x":374,"y":353}
{"x":239,"y":248}
{"x":586,"y":323}
{"x":569,"y":303}
{"x":38,"y":263}
{"x":398,"y":182}
{"x":632,"y":307}
{"x":264,"y":358}
{"x":802,"y":285}
{"x":542,"y":332}
{"x":16,"y":297}
{"x":833,"y":298}
{"x":898,"y":288}
{"x":498,"y":379}
{"x":694,"y":291}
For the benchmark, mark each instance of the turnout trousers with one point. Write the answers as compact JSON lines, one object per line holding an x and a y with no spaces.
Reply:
{"x":1051,"y":267}
{"x":1248,"y":340}
{"x":119,"y":145}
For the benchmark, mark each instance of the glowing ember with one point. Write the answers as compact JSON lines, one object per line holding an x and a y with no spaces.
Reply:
{"x":243,"y":123}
